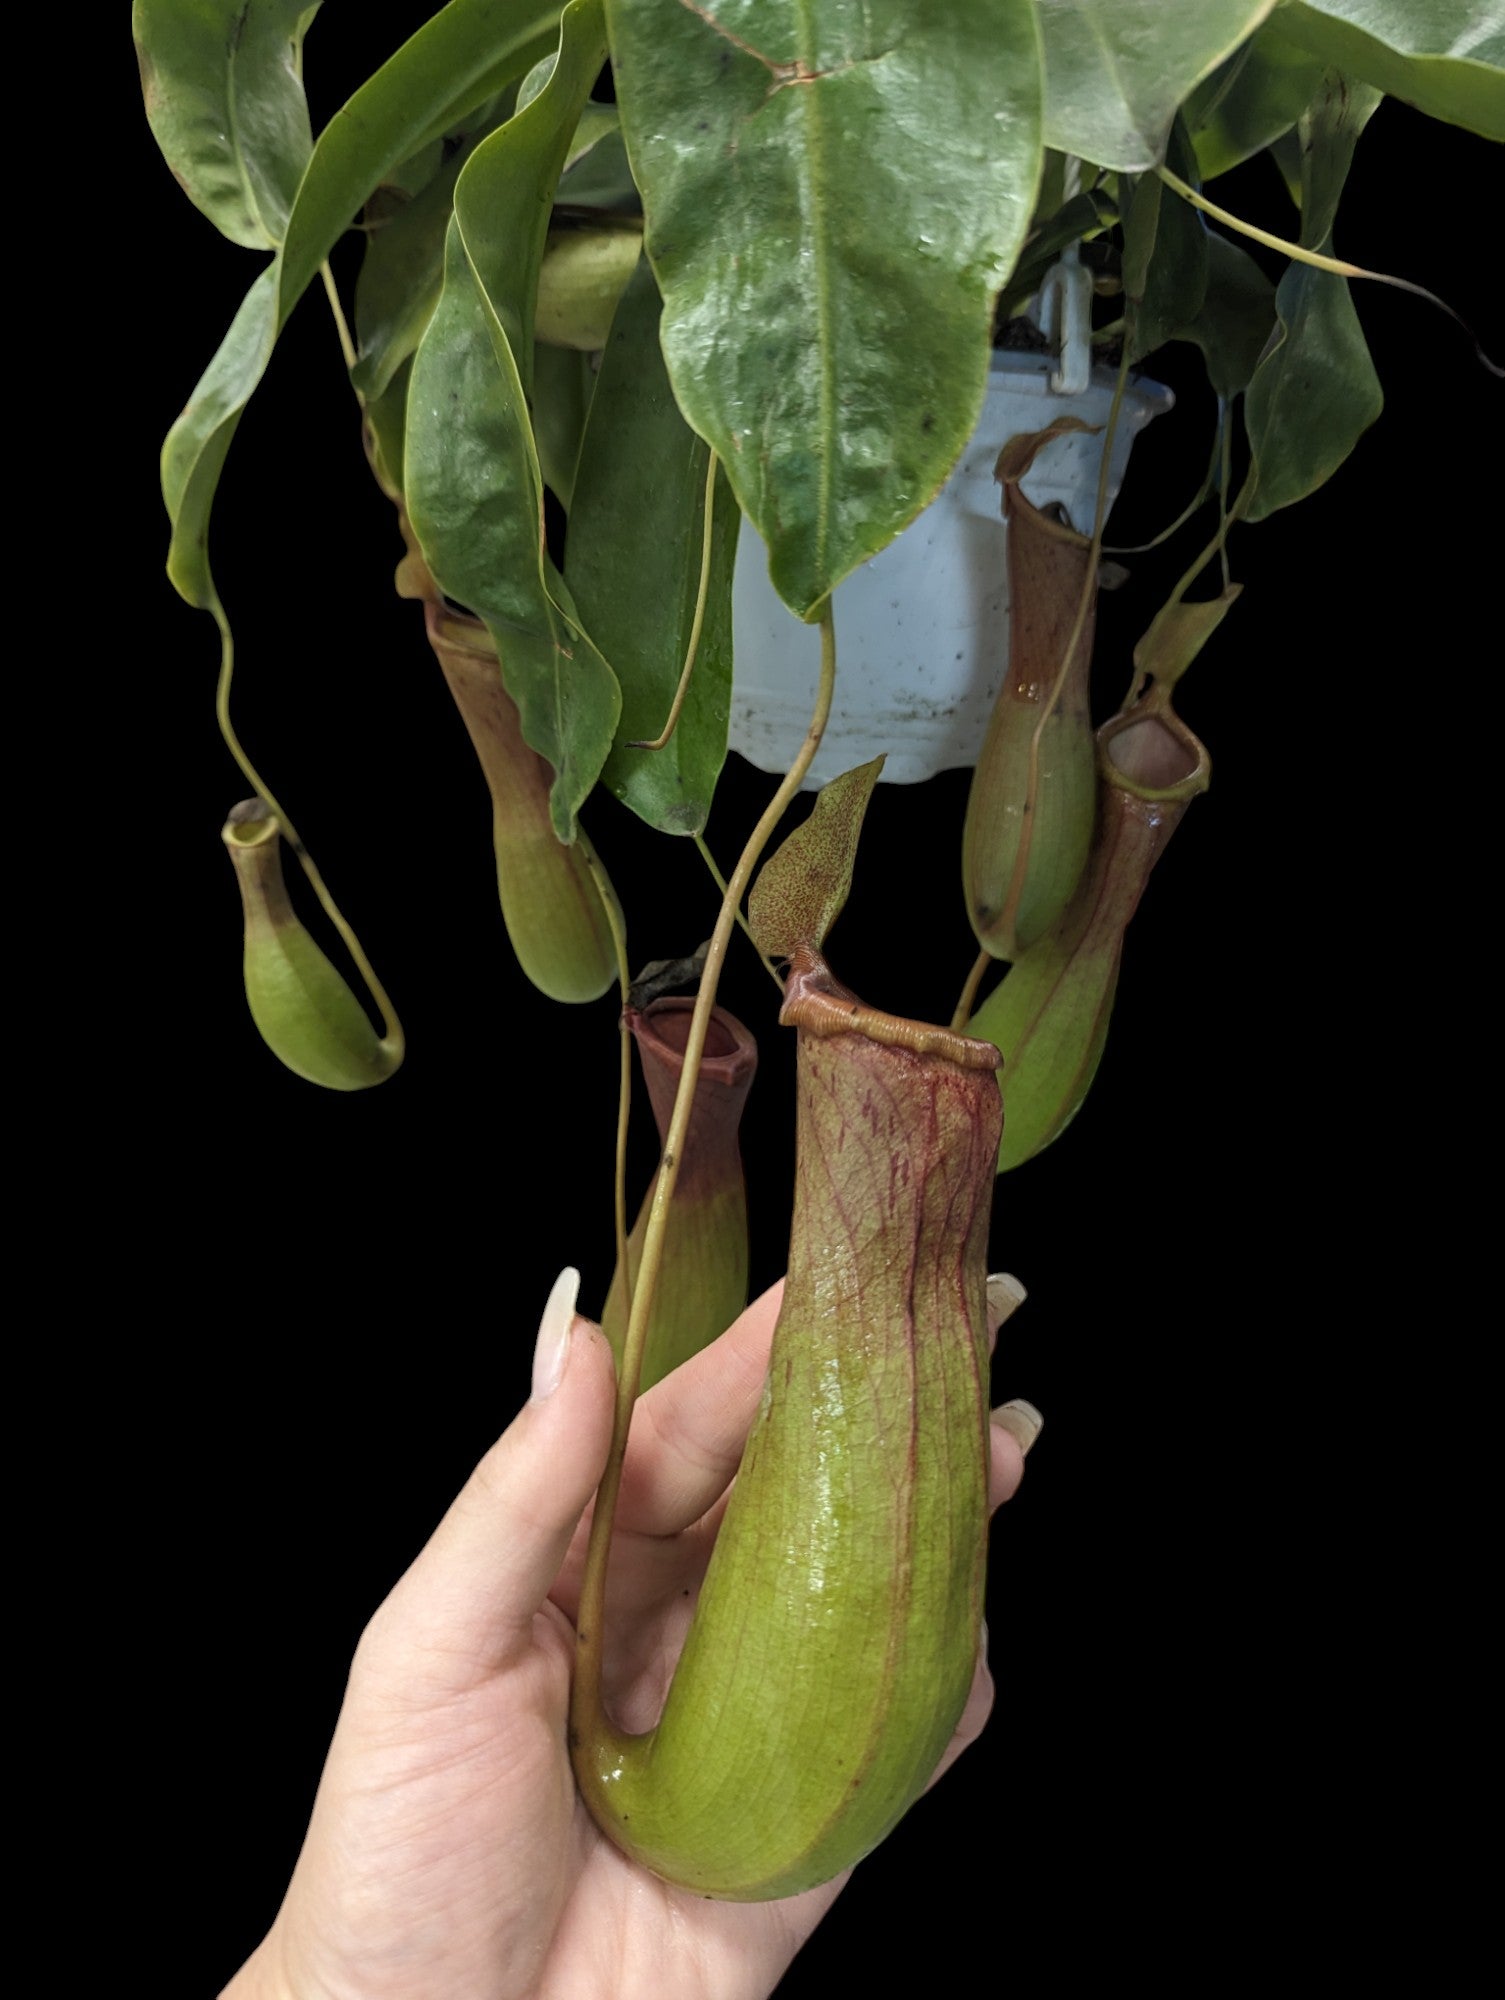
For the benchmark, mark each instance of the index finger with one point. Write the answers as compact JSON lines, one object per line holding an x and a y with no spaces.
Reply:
{"x":689,"y":1429}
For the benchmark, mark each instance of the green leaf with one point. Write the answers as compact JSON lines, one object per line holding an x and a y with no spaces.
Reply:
{"x":386,"y":422}
{"x":802,"y":889}
{"x":1247,"y":103}
{"x":223,"y":85}
{"x":1236,"y":317}
{"x":1315,"y":391}
{"x":1447,"y":57}
{"x":633,"y":561}
{"x":403,"y":269}
{"x":1116,"y":70}
{"x":1314,"y":394}
{"x":601,"y":177}
{"x":1165,"y":256}
{"x":834,"y":196}
{"x":464,"y":55}
{"x":563,"y":385}
{"x":1084,"y":216}
{"x":473,"y":482}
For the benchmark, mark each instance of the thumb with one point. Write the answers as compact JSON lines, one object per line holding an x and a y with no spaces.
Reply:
{"x":472,"y":1594}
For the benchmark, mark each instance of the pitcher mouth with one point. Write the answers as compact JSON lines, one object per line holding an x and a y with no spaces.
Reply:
{"x":731,"y":1054}
{"x":816,"y":1002}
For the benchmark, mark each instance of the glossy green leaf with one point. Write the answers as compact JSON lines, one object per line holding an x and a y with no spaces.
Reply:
{"x":601,"y":179}
{"x":1447,"y":57}
{"x":473,"y":482}
{"x":633,"y":562}
{"x":802,"y":888}
{"x":1165,"y":256}
{"x":386,"y":423}
{"x":464,"y":55}
{"x":1250,"y":100}
{"x":834,"y":194}
{"x":403,"y":269}
{"x":1315,"y":391}
{"x":563,"y":385}
{"x":224,"y":98}
{"x":1236,"y":317}
{"x":1116,"y":70}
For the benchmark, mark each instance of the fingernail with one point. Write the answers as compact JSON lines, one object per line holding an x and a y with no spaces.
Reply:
{"x":1021,"y":1420}
{"x":553,"y":1345}
{"x":1005,"y":1296}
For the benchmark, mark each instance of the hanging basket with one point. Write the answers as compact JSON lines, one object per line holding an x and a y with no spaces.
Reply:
{"x":923,"y":627}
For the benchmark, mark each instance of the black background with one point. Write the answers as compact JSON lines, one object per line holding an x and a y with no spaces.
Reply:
{"x":347,"y":1287}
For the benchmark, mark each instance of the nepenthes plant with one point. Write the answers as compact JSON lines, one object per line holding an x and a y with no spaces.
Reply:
{"x":648,"y":293}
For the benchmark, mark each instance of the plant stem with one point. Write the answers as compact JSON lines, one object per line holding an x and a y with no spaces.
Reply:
{"x":702,"y":593}
{"x":1339,"y":266}
{"x":586,"y":1713}
{"x":1219,"y":453}
{"x":1297,"y":251}
{"x":1216,"y":547}
{"x":393,"y":1037}
{"x":720,"y":880}
{"x":968,"y":1001}
{"x":617,"y":924}
{"x":347,"y":345}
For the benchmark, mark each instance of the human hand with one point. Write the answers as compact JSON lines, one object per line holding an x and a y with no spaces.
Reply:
{"x":448,"y":1856}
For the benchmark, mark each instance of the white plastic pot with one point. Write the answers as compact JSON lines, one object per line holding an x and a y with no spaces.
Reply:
{"x":922,"y":629}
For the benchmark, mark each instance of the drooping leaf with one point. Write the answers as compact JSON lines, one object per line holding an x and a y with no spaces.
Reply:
{"x":1251,"y":99}
{"x":224,"y":98}
{"x":386,"y":423}
{"x":403,"y":268}
{"x":1447,"y":57}
{"x":802,"y":888}
{"x":1315,"y":391}
{"x":464,"y":55}
{"x":834,"y":195}
{"x":1236,"y":318}
{"x":633,"y":561}
{"x":563,"y":385}
{"x":1116,"y":70}
{"x":1165,"y":256}
{"x":1314,"y":395}
{"x":473,"y":482}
